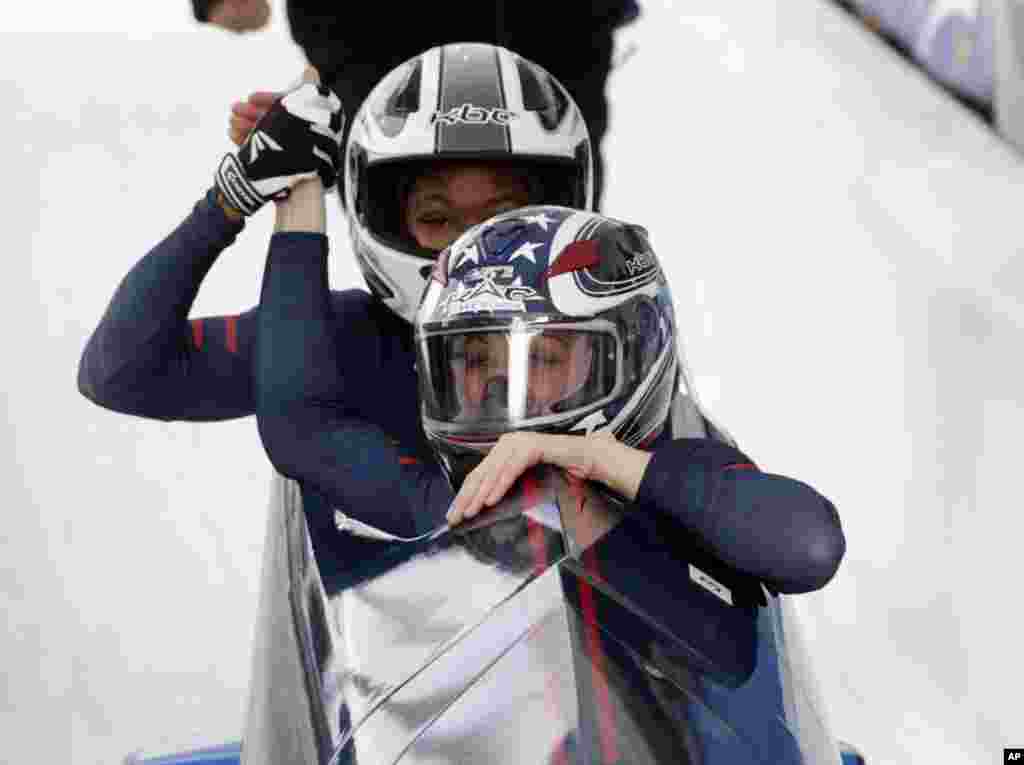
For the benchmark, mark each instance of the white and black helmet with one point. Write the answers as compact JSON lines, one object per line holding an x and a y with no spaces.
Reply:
{"x":465,"y":101}
{"x":547,"y":319}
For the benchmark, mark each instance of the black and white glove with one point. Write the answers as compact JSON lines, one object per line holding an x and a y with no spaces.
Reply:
{"x":297,"y":139}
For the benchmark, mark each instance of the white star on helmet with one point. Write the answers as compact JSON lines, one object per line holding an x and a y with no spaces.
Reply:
{"x":540,"y":219}
{"x":525,"y":250}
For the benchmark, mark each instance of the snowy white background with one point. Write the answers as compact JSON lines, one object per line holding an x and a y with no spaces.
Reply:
{"x":843,"y":243}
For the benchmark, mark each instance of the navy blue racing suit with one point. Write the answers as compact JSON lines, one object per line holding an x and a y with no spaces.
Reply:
{"x":147,"y":358}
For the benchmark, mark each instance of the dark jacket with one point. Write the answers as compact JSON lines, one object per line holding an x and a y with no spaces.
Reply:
{"x":555,"y":35}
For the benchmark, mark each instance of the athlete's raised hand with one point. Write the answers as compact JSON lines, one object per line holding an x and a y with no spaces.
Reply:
{"x":297,"y":139}
{"x":245,"y":114}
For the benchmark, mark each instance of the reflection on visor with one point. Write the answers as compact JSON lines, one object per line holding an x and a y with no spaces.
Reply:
{"x":502,"y":378}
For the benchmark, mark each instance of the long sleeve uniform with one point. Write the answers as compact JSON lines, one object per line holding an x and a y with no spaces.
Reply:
{"x":338,"y":411}
{"x":146,"y":358}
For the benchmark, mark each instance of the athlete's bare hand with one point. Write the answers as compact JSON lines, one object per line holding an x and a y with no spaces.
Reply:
{"x":596,"y":457}
{"x":513,"y":455}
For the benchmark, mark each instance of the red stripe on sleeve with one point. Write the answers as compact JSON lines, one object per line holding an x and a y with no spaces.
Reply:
{"x":197,"y":333}
{"x":408,"y":461}
{"x":231,"y":333}
{"x":741,"y":466}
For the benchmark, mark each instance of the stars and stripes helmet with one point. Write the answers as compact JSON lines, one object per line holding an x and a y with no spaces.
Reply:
{"x":466,"y":101}
{"x":547,"y":319}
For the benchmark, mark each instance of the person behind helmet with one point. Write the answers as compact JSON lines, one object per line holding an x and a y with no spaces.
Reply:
{"x":147,"y":358}
{"x":456,"y":106}
{"x":463,"y":102}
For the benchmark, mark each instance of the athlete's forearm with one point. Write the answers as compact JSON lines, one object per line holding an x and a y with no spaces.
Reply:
{"x":358,"y":468}
{"x":303,"y":211}
{"x":619,"y":467}
{"x":773,"y":527}
{"x":598,"y":458}
{"x":298,"y":359}
{"x":315,"y":398}
{"x":144,"y":341}
{"x":297,"y":356}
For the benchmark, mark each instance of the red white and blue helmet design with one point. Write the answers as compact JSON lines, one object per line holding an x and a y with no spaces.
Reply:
{"x":465,"y":101}
{"x":549,"y":319}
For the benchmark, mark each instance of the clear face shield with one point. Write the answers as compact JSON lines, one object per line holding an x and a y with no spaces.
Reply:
{"x":487,"y":381}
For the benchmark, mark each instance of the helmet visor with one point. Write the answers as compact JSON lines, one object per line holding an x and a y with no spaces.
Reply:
{"x":487,"y":381}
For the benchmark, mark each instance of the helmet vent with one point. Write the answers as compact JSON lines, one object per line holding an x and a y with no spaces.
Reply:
{"x":406,"y":97}
{"x":542,"y":95}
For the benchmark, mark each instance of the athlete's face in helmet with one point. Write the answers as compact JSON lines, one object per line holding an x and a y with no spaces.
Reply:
{"x":445,"y":201}
{"x":557,"y":363}
{"x":465,"y":103}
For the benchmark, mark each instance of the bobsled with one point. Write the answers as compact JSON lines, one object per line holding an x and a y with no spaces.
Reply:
{"x":555,"y":628}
